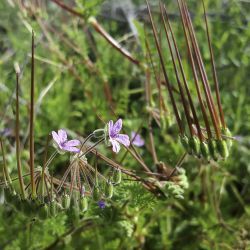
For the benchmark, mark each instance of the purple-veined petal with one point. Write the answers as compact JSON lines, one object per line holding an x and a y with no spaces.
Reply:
{"x":137,"y":140}
{"x":115,"y":146}
{"x":117,"y":127}
{"x":62,"y":134}
{"x":123,"y":139}
{"x":70,"y":149}
{"x":56,"y":138}
{"x":110,"y":127}
{"x":72,"y":143}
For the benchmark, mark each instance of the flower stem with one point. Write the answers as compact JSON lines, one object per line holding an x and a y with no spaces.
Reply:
{"x":90,"y":148}
{"x":46,"y":164}
{"x":5,"y":169}
{"x":18,"y":159}
{"x":86,"y":139}
{"x":31,"y":132}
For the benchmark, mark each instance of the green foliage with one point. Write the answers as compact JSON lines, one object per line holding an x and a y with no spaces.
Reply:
{"x":79,"y":76}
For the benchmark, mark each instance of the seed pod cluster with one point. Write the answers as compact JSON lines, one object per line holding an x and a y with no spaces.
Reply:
{"x":212,"y":149}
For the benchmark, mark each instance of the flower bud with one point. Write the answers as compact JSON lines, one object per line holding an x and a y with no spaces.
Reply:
{"x":99,"y":133}
{"x":222,"y":148}
{"x":227,"y":132}
{"x":96,"y":193}
{"x":43,"y":212}
{"x":204,"y":150}
{"x":117,"y":176}
{"x":185,"y":144}
{"x":83,"y":204}
{"x":53,"y":209}
{"x":66,"y":201}
{"x":212,"y":149}
{"x":109,"y":190}
{"x":194,"y":144}
{"x":106,"y":135}
{"x":179,"y":196}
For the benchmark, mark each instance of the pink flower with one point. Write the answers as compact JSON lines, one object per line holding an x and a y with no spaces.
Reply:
{"x":115,"y":138}
{"x":62,"y":142}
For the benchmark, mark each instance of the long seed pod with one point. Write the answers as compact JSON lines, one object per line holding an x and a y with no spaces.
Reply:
{"x":17,"y":132}
{"x":196,"y":81}
{"x":202,"y":71}
{"x":157,"y":43}
{"x":31,"y":132}
{"x":184,"y":77}
{"x":7,"y":178}
{"x":183,"y":99}
{"x":215,"y":78}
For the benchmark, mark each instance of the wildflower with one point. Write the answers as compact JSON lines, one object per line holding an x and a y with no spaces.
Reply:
{"x":62,"y":142}
{"x":115,"y":138}
{"x":101,"y":204}
{"x":136,"y":139}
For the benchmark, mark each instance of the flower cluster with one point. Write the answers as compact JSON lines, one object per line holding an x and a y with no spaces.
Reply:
{"x":112,"y":134}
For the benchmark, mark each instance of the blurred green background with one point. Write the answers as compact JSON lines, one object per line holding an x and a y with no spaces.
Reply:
{"x":80,"y":77}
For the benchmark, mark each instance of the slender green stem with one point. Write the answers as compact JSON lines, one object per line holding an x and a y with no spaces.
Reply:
{"x":46,"y":164}
{"x":51,"y":159}
{"x":31,"y":132}
{"x":18,"y":158}
{"x":157,"y":43}
{"x":215,"y":78}
{"x":202,"y":72}
{"x":5,"y":169}
{"x":85,"y":140}
{"x":9,"y":181}
{"x":183,"y":100}
{"x":178,"y":164}
{"x":196,"y":81}
{"x":184,"y":77}
{"x":90,"y":148}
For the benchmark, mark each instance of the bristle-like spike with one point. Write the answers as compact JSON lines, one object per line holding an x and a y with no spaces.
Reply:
{"x":184,"y":77}
{"x":148,"y":98}
{"x":178,"y":120}
{"x":215,"y":78}
{"x":44,"y":165}
{"x":202,"y":71}
{"x":7,"y":179}
{"x":183,"y":99}
{"x":17,"y":132}
{"x":31,"y":132}
{"x":157,"y":77}
{"x":196,"y":81}
{"x":73,"y":179}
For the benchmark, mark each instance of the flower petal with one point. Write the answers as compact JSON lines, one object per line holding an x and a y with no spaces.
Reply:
{"x":110,"y":127}
{"x":123,"y":139}
{"x":70,"y":149}
{"x":117,"y":127}
{"x":116,"y":146}
{"x":56,"y":138}
{"x":63,"y":135}
{"x":136,"y":139}
{"x":72,"y":143}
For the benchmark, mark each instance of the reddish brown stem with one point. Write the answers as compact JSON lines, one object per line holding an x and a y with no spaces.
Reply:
{"x":167,"y":83}
{"x":215,"y":78}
